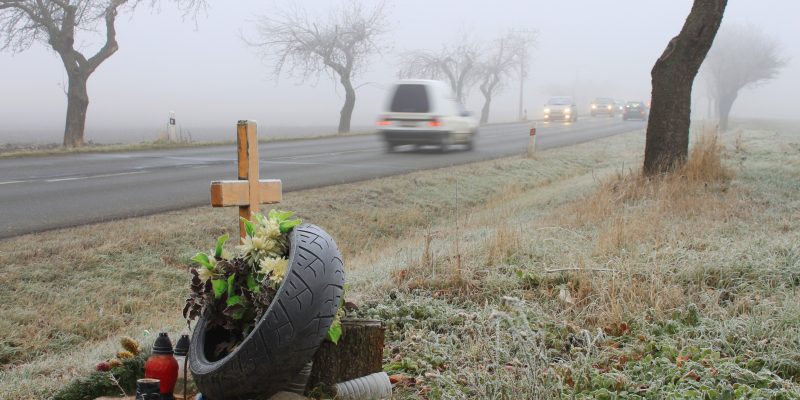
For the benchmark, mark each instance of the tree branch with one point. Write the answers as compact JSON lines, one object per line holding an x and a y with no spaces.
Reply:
{"x":111,"y":46}
{"x":340,"y":44}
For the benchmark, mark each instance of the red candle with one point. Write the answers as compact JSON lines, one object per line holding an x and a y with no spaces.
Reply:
{"x":162,"y":365}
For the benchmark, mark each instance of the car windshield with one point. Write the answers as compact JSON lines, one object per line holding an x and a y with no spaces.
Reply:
{"x":411,"y":98}
{"x":560,"y":101}
{"x":603,"y":101}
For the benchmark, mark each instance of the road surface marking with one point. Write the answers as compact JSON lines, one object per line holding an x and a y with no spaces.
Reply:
{"x":116,"y":174}
{"x":329,"y":164}
{"x":73,"y":178}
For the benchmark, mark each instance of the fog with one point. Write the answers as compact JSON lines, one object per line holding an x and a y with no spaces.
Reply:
{"x":205,"y":72}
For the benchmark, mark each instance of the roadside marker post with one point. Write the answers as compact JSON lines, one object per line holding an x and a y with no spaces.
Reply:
{"x":532,"y":141}
{"x":248,"y":192}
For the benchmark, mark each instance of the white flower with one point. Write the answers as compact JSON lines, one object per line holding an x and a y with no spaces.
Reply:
{"x":246,"y":246}
{"x":257,"y":244}
{"x":204,"y":273}
{"x":276,"y":268}
{"x":268,"y":229}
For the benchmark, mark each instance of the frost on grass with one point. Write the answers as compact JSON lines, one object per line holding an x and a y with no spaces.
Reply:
{"x":571,"y":276}
{"x":685,"y":286}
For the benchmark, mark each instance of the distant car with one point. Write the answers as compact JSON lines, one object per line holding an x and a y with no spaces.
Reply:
{"x":560,"y":108}
{"x":603,"y":106}
{"x":635,"y":110}
{"x":620,"y":106}
{"x":425,"y":112}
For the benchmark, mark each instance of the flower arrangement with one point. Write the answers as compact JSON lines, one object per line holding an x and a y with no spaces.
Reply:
{"x":233,"y":291}
{"x":111,"y":377}
{"x":130,"y":349}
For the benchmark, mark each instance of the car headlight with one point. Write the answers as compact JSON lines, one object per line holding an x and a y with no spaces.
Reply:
{"x":567,"y":111}
{"x":594,"y":106}
{"x":609,"y":107}
{"x":546,"y":110}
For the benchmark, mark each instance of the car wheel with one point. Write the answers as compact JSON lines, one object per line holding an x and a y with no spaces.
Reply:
{"x":390,"y":147}
{"x":471,"y":143}
{"x":285,"y":339}
{"x":444,"y":144}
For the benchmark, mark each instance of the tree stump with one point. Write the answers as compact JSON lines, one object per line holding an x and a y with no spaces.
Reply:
{"x":359,"y":353}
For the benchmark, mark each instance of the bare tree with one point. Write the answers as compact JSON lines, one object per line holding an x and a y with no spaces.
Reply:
{"x":522,"y":42}
{"x":340,"y":45}
{"x":494,"y":70}
{"x":56,"y":23}
{"x":457,"y":64}
{"x":741,"y":57}
{"x":667,"y":143}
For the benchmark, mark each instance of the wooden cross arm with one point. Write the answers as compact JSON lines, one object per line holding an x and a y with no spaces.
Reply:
{"x":237,"y":193}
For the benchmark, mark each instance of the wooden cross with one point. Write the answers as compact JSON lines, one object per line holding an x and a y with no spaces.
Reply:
{"x":248,"y":192}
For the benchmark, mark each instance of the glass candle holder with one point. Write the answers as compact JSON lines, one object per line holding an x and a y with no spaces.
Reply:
{"x":162,"y":365}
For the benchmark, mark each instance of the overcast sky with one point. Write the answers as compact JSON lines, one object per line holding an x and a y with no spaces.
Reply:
{"x":211,"y":78}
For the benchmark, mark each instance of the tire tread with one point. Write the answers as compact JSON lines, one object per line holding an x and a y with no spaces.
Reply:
{"x":288,"y":334}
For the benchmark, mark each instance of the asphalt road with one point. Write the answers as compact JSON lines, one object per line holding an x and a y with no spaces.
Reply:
{"x":41,"y":193}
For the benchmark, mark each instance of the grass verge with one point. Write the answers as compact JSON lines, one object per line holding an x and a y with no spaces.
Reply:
{"x":10,"y":151}
{"x":561,"y":276}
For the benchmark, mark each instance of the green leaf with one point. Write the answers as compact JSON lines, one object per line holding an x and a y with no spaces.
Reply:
{"x":235,"y":311}
{"x":280,"y":216}
{"x":202,"y":259}
{"x":230,"y":285}
{"x":252,"y":284}
{"x":233,"y":300}
{"x":259,"y":218}
{"x":287,"y":226}
{"x":335,"y":333}
{"x":248,"y":227}
{"x":220,"y":286}
{"x":220,"y":242}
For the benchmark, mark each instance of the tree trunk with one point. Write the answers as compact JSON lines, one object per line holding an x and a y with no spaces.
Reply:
{"x":673,"y":74}
{"x":349,"y":104}
{"x":459,"y":94}
{"x":359,"y":353}
{"x":77,"y":104}
{"x":78,"y":67}
{"x":724,"y":105}
{"x":487,"y":104}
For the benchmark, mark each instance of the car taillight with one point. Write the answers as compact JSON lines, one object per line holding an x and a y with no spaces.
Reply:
{"x":384,"y":122}
{"x":434,"y":123}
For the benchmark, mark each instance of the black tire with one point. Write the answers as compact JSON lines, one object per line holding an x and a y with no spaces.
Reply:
{"x":289,"y":333}
{"x":444,"y":144}
{"x":390,"y":147}
{"x":470,"y":145}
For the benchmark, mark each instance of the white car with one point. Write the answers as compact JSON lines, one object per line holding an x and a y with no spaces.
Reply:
{"x":425,"y":112}
{"x":560,"y":108}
